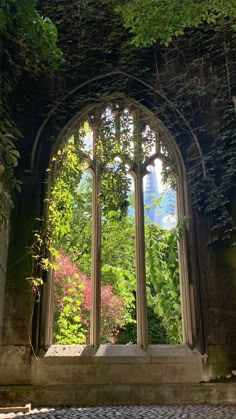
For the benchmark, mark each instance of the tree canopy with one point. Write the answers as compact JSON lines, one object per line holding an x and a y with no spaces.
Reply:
{"x":71,"y":229}
{"x":35,"y":36}
{"x":152,"y":20}
{"x":28,"y":43}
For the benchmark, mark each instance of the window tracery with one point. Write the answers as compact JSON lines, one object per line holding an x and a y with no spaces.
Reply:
{"x":117,"y":140}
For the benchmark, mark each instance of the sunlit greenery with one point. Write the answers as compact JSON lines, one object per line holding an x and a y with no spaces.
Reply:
{"x":70,"y":222}
{"x":152,"y":20}
{"x":35,"y":36}
{"x":28,"y":43}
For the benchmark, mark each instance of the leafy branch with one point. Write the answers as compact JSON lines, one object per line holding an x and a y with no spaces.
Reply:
{"x":150,"y":21}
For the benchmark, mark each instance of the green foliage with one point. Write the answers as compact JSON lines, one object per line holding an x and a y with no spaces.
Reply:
{"x":114,"y":154}
{"x":38,"y":253}
{"x":70,"y":223}
{"x":9,"y":156}
{"x":163,"y":20}
{"x":157,"y":334}
{"x":193,"y":80}
{"x":117,"y":149}
{"x":68,"y":326}
{"x":28,"y":42}
{"x":122,"y":236}
{"x":8,"y":152}
{"x":73,"y":299}
{"x":163,"y":290}
{"x":70,"y":213}
{"x":64,"y":192}
{"x":3,"y":217}
{"x":124,"y":284}
{"x":70,"y":207}
{"x":35,"y":37}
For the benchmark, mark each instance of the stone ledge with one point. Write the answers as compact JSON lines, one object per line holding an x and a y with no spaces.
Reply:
{"x":88,"y":395}
{"x":16,"y":409}
{"x":109,"y":354}
{"x":109,"y":365}
{"x":113,"y":373}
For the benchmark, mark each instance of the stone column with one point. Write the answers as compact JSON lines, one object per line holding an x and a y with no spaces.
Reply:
{"x":96,"y":259}
{"x":186,"y":291}
{"x":4,"y":235}
{"x":141,"y":299}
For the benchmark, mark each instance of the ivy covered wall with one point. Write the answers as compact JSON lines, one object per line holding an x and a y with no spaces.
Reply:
{"x":189,"y":85}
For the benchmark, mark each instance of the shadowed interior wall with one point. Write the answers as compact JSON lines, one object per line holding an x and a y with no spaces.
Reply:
{"x":99,"y":63}
{"x":4,"y":238}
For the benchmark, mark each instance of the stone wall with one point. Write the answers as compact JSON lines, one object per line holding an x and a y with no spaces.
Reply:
{"x":4,"y":238}
{"x":166,"y":82}
{"x":19,"y":299}
{"x":77,"y":375}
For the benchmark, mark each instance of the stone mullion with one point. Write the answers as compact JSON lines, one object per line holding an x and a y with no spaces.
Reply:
{"x":187,"y":297}
{"x":95,"y":318}
{"x":141,"y":298}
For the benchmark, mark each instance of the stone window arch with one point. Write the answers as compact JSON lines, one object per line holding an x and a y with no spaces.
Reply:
{"x":142,"y":138}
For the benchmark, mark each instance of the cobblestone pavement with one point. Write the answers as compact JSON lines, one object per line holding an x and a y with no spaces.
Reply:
{"x":131,"y":412}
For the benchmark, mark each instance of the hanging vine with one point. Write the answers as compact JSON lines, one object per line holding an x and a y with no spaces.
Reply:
{"x":189,"y":85}
{"x":27,"y":45}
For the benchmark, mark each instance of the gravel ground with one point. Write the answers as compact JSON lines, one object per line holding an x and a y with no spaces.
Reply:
{"x":130,"y":412}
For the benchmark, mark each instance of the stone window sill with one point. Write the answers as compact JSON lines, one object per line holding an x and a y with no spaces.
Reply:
{"x":124,"y":354}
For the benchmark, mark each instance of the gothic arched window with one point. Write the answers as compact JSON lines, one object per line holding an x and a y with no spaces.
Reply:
{"x":120,"y":140}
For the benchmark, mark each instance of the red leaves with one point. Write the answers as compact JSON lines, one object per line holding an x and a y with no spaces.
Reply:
{"x":71,"y":286}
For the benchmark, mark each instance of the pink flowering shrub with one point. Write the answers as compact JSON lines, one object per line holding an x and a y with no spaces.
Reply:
{"x":73,"y":298}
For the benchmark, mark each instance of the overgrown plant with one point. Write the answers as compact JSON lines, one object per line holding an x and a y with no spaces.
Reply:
{"x":28,"y":43}
{"x":70,"y":223}
{"x":188,"y":85}
{"x":163,"y":287}
{"x":150,"y":20}
{"x":40,"y":263}
{"x":9,"y":157}
{"x":73,"y":305}
{"x":35,"y":37}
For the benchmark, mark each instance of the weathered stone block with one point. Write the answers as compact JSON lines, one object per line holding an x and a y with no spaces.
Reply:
{"x":70,"y":374}
{"x":115,"y":354}
{"x":174,"y":354}
{"x":136,"y":373}
{"x":190,"y":373}
{"x":118,"y":394}
{"x":15,"y":332}
{"x":15,"y":299}
{"x":15,"y":367}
